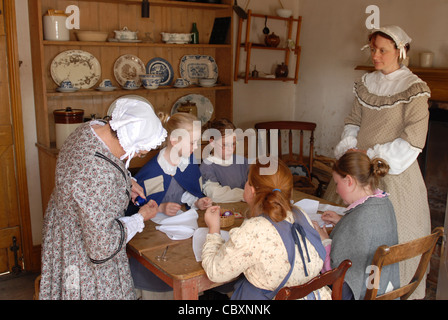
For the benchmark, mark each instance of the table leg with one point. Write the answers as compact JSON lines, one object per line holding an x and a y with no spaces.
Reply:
{"x":185,"y":289}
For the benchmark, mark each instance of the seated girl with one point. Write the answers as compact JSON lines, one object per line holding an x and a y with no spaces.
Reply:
{"x":263,"y":248}
{"x":224,"y":173}
{"x":368,"y":223}
{"x":171,"y":178}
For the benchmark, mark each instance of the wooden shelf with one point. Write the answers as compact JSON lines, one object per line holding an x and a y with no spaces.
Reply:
{"x":119,"y":92}
{"x":131,"y":44}
{"x":267,"y":79}
{"x":169,"y":3}
{"x":111,"y":15}
{"x":249,"y":46}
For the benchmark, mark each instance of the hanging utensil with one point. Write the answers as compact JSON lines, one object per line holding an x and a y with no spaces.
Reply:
{"x":239,"y":11}
{"x":266,"y":29}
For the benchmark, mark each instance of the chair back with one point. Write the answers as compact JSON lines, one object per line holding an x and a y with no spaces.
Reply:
{"x":334,"y":277}
{"x":290,"y":158}
{"x":387,"y":255}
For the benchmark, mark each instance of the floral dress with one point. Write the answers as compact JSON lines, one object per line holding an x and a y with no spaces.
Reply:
{"x":257,"y":250}
{"x":84,"y":243}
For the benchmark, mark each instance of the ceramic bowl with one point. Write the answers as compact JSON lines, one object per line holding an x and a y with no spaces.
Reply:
{"x":207,"y":82}
{"x":91,"y":35}
{"x":176,"y":37}
{"x":181,"y":83}
{"x":150,"y":81}
{"x":284,"y":13}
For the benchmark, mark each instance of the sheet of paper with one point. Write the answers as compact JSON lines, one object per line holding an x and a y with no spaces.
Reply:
{"x":178,"y":227}
{"x":199,"y":237}
{"x":313,"y":209}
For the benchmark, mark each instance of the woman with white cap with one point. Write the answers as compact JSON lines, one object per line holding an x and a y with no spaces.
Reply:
{"x":389,"y":120}
{"x":85,"y":231}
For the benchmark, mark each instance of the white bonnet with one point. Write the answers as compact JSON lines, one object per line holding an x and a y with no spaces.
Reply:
{"x":138,"y":127}
{"x":400,"y":37}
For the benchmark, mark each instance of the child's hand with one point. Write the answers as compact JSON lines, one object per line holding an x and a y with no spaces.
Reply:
{"x":322,"y":231}
{"x":330,"y":217}
{"x":212,"y":218}
{"x":203,"y":203}
{"x":170,"y":208}
{"x":149,"y":210}
{"x":137,"y":190}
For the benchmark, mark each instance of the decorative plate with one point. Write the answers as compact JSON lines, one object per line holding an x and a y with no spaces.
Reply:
{"x":195,"y":67}
{"x":160,"y":67}
{"x":128,"y":67}
{"x":129,"y":96}
{"x":78,"y":66}
{"x":205,"y":107}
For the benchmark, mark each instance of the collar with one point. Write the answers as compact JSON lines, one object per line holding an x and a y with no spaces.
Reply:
{"x":167,"y":167}
{"x":395,"y":82}
{"x":376,"y":194}
{"x":219,"y":161}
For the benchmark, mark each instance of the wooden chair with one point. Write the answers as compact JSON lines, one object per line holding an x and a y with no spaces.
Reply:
{"x":387,"y":255}
{"x":291,"y":159}
{"x":333,"y":277}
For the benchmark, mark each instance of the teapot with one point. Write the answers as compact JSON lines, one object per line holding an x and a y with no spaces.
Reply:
{"x":272,"y":40}
{"x":125,"y":34}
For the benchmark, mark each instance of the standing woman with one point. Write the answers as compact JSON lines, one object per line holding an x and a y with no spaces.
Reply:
{"x":85,"y":231}
{"x":389,"y":120}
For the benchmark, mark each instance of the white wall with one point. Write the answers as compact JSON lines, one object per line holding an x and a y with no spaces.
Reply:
{"x":333,"y":33}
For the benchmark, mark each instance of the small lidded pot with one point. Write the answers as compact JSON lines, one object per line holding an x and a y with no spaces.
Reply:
{"x":125,"y":34}
{"x":272,"y":40}
{"x":66,"y":121}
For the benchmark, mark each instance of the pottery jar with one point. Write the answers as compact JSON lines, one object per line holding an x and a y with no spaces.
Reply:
{"x":66,"y":121}
{"x":281,"y":71}
{"x":54,"y":26}
{"x":272,"y":40}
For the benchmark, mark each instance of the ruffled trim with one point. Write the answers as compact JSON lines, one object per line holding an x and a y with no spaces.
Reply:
{"x":376,"y":102}
{"x":377,"y":194}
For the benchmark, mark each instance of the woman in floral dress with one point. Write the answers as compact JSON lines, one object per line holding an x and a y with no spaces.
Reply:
{"x":85,"y":231}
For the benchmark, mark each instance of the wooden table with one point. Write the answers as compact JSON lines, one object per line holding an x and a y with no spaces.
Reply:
{"x":181,"y":271}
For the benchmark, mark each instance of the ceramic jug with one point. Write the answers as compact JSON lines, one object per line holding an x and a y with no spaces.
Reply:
{"x":281,"y":71}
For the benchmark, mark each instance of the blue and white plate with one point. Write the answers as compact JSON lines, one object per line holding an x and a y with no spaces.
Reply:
{"x":162,"y":68}
{"x":195,"y":67}
{"x":204,"y":105}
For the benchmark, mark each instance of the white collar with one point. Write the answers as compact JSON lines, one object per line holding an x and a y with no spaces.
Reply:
{"x":395,"y":82}
{"x":167,"y":167}
{"x":219,"y":161}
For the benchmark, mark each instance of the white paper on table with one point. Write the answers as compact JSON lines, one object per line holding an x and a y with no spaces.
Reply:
{"x":199,"y":238}
{"x":178,"y":227}
{"x":311,"y":208}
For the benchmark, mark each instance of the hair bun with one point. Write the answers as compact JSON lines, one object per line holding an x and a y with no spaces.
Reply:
{"x":379,"y":167}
